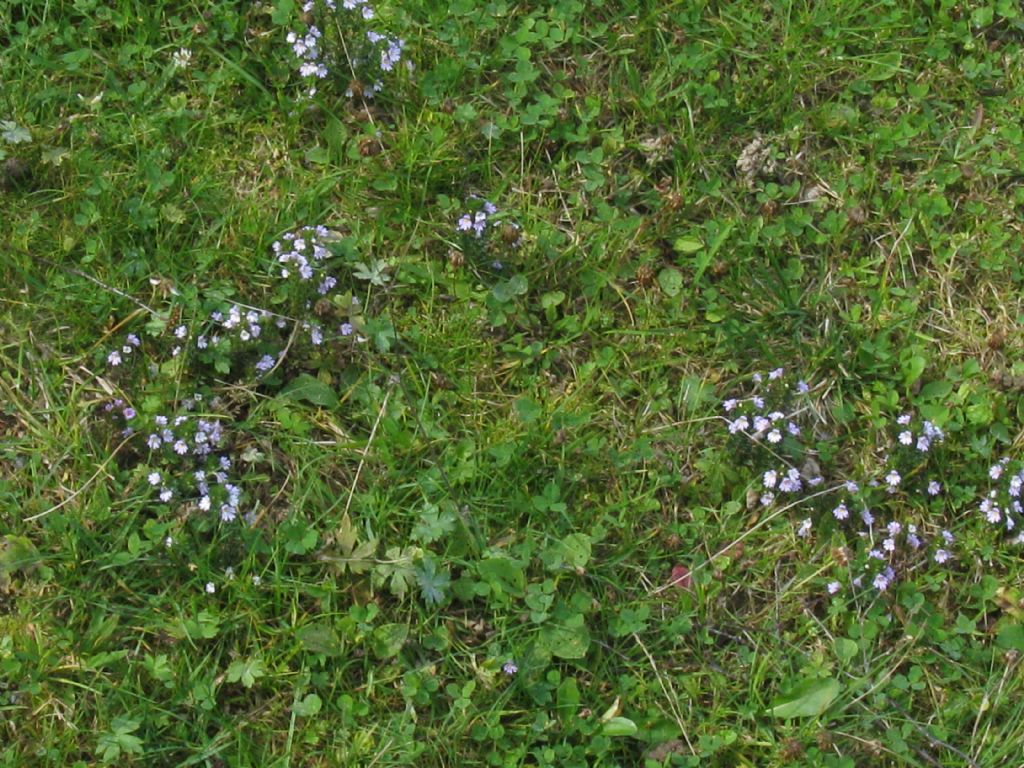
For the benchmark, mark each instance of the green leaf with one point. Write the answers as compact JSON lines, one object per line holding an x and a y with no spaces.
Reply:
{"x":318,"y":155}
{"x":687,"y":245}
{"x":808,"y":698}
{"x":527,"y":410}
{"x":282,"y":14}
{"x":567,"y":699}
{"x":246,"y":671}
{"x":310,"y":705}
{"x":671,"y":281}
{"x":310,"y":389}
{"x":299,"y":538}
{"x":13,"y":133}
{"x":568,"y":639}
{"x":845,"y":648}
{"x":936,"y":390}
{"x":320,"y":638}
{"x":1011,"y":638}
{"x":388,"y":639}
{"x":619,"y":726}
{"x":433,"y":582}
{"x":884,"y":67}
{"x":504,"y":573}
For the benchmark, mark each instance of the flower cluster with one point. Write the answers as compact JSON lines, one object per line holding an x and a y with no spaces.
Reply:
{"x":307,"y":50}
{"x":1001,"y":506}
{"x":378,"y":54}
{"x":187,"y":462}
{"x":476,"y":222}
{"x":304,"y":251}
{"x":118,"y":408}
{"x":118,"y":356}
{"x":767,"y":423}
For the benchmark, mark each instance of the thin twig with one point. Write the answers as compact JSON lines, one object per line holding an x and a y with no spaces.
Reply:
{"x":98,"y":282}
{"x":366,"y":450}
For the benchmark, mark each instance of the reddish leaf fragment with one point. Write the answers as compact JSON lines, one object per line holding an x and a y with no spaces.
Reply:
{"x":681,"y":577}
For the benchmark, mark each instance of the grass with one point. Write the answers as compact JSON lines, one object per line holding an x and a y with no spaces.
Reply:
{"x":510,"y":527}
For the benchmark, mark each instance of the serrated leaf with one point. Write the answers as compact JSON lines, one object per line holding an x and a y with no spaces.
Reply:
{"x":346,"y":536}
{"x":13,"y":133}
{"x":310,"y":389}
{"x":808,"y":698}
{"x":432,"y":581}
{"x":245,"y":671}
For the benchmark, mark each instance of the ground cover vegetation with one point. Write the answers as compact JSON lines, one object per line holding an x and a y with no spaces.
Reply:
{"x":508,"y":384}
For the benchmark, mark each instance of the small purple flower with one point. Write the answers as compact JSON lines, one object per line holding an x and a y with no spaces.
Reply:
{"x":834,"y":587}
{"x":265,"y":363}
{"x":841,"y":512}
{"x":934,"y":488}
{"x":805,"y":528}
{"x":941,"y":556}
{"x":802,"y":388}
{"x":114,"y":358}
{"x":129,"y":413}
{"x":509,"y":668}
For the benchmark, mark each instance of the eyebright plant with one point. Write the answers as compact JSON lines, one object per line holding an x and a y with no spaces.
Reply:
{"x":890,"y":519}
{"x":486,"y":235}
{"x":340,"y":44}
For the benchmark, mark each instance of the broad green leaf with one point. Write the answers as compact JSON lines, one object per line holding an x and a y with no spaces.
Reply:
{"x":845,"y":648}
{"x":808,"y":698}
{"x":309,"y":705}
{"x":527,"y":409}
{"x":671,"y":281}
{"x":687,"y":245}
{"x":504,"y":573}
{"x":619,"y":726}
{"x":320,"y":638}
{"x":1011,"y":637}
{"x":566,"y":640}
{"x":246,"y":671}
{"x":885,"y":66}
{"x":310,"y":389}
{"x":388,"y":639}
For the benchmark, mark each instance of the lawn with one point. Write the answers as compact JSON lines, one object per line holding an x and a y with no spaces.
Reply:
{"x":511,"y":384}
